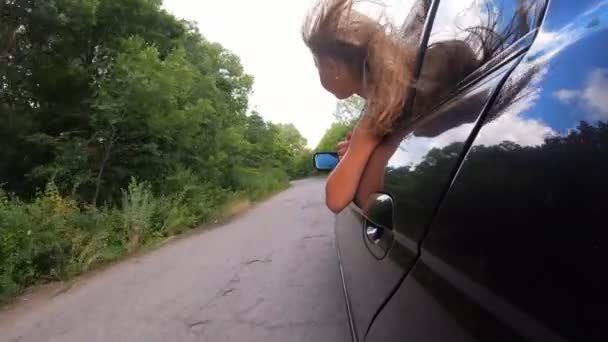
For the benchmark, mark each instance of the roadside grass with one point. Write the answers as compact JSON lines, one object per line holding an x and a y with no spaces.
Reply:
{"x":55,"y":239}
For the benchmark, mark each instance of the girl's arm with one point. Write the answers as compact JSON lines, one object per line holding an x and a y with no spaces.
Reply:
{"x":342,"y":183}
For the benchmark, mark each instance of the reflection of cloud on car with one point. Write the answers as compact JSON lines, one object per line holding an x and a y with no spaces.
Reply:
{"x":592,"y":96}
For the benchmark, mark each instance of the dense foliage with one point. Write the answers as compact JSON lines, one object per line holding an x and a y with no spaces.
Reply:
{"x":119,"y":125}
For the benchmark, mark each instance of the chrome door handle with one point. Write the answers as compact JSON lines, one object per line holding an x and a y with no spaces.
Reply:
{"x":378,"y":226}
{"x":373,"y":233}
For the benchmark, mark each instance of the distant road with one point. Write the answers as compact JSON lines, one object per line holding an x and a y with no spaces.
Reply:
{"x":269,"y":275}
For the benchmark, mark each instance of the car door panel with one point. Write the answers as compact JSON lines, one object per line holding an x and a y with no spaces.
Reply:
{"x":368,"y":278}
{"x":427,"y":307}
{"x":516,"y":249}
{"x":399,"y":169}
{"x":370,"y":281}
{"x":417,"y":183}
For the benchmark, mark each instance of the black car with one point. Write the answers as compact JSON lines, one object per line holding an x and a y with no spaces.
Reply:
{"x":488,"y":223}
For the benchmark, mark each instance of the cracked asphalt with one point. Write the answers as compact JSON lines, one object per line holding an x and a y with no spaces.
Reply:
{"x":269,"y":275}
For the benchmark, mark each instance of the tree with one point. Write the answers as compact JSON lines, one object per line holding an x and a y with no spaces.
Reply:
{"x":58,"y":55}
{"x":347,"y":113}
{"x":334,"y":134}
{"x":120,"y":124}
{"x":95,"y":92}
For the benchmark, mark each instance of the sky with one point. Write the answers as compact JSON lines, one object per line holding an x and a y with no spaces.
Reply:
{"x":266,"y":36}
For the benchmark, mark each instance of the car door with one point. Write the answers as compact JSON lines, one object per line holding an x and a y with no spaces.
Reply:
{"x":368,"y":279}
{"x":378,"y":237}
{"x":518,"y":249}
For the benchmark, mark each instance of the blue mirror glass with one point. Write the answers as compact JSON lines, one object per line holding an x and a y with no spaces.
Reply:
{"x":325,"y":161}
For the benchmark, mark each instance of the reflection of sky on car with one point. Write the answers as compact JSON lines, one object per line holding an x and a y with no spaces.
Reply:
{"x":450,"y":15}
{"x":394,"y":10}
{"x":581,"y":93}
{"x":582,"y":88}
{"x":453,"y":16}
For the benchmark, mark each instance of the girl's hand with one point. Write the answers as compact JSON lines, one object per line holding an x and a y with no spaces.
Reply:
{"x":344,"y":145}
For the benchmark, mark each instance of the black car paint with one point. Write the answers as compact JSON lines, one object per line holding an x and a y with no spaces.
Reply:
{"x":369,"y":281}
{"x":499,"y":262}
{"x":517,"y":248}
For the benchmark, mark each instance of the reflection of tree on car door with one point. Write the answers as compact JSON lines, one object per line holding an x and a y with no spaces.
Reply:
{"x":464,"y":111}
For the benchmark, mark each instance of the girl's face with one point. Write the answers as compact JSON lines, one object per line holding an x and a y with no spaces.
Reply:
{"x":336,"y":77}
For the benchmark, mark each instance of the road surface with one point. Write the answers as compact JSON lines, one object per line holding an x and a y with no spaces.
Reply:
{"x":269,"y":275}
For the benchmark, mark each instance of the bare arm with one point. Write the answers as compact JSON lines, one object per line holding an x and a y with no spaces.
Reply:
{"x":343,"y":181}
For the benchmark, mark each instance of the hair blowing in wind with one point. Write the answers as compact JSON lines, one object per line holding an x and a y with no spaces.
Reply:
{"x":373,"y":51}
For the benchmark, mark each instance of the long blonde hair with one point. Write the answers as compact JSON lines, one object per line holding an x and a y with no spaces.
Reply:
{"x":373,"y":51}
{"x":333,"y":28}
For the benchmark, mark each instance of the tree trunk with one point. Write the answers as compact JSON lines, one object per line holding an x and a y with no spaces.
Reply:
{"x":102,"y":166}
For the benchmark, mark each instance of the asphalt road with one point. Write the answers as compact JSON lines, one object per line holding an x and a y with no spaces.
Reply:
{"x":269,"y":275}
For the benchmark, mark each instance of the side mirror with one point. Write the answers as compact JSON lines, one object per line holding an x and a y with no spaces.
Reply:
{"x":325,"y":161}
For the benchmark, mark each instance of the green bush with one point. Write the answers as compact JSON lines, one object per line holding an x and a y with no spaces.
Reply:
{"x":54,"y":237}
{"x":138,"y":207}
{"x":257,"y":183}
{"x":97,"y":237}
{"x":169,"y":109}
{"x":15,"y":240}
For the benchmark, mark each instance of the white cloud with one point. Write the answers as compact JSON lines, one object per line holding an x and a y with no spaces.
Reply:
{"x":453,"y":16}
{"x":593,"y":97}
{"x":544,"y":38}
{"x":595,"y":8}
{"x":395,"y":11}
{"x":413,"y":149}
{"x":595,"y":94}
{"x":510,"y":126}
{"x":566,"y":95}
{"x":550,"y":43}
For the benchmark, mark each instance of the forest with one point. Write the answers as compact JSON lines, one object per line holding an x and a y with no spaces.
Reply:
{"x":120,"y":126}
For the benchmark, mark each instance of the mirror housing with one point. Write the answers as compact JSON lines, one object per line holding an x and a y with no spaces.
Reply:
{"x":325,"y":161}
